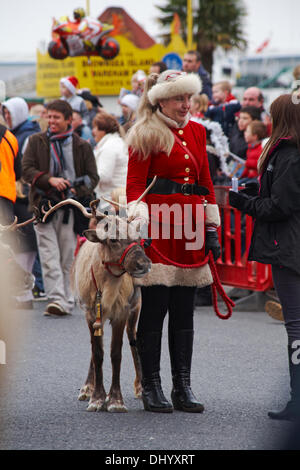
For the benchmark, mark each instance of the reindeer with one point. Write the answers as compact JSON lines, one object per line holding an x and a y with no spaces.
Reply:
{"x":102,"y":277}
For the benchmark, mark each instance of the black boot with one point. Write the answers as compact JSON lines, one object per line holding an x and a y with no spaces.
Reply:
{"x":149,"y":348}
{"x":181,"y":350}
{"x":292,"y":410}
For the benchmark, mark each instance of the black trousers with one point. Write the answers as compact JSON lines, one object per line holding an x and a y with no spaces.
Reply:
{"x":158,"y":300}
{"x":287,"y":285}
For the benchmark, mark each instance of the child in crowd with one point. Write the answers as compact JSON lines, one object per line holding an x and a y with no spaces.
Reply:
{"x":254,"y":134}
{"x":68,"y":88}
{"x":137,"y":85}
{"x":129,"y":104}
{"x":221,"y":110}
{"x":199,"y":105}
{"x":237,"y":142}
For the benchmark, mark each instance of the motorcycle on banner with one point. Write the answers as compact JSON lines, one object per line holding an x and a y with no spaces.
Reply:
{"x":69,"y":40}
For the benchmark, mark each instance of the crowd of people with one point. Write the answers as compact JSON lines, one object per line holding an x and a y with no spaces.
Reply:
{"x":73,"y":147}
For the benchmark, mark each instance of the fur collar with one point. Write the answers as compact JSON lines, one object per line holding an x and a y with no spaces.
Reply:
{"x":170,"y":122}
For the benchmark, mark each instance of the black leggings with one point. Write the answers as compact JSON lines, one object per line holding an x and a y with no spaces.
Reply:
{"x":157,"y":300}
{"x":287,"y":284}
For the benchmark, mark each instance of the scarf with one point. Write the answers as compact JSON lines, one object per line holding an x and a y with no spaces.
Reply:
{"x":56,"y":151}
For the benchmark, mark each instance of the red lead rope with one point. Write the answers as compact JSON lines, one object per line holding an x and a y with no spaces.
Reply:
{"x":216,"y":286}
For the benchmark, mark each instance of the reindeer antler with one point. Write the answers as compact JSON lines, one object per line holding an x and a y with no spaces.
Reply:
{"x":147,"y":190}
{"x":72,"y":202}
{"x":114,"y":203}
{"x":143,"y":195}
{"x":14,"y":226}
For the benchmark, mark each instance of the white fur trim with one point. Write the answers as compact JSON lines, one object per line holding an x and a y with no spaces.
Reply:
{"x":68,"y":85}
{"x":168,"y":88}
{"x":166,"y":275}
{"x":139,"y":210}
{"x":212,"y":215}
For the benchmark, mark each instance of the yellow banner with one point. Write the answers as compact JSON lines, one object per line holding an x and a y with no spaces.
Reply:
{"x":101,"y":76}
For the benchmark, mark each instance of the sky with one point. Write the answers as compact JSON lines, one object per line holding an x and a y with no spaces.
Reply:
{"x":24,"y":23}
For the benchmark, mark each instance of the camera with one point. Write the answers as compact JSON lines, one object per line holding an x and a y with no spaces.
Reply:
{"x":76,"y":184}
{"x":82,"y":181}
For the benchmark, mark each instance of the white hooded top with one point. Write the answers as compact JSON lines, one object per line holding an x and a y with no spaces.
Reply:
{"x":19,"y":111}
{"x":111,"y":156}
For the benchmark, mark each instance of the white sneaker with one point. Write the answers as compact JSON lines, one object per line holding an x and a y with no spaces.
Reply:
{"x":55,"y":309}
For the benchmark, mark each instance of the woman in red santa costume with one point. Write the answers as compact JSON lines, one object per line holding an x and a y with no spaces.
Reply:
{"x":165,"y":143}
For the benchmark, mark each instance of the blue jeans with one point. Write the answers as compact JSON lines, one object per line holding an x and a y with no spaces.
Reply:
{"x":37,"y":272}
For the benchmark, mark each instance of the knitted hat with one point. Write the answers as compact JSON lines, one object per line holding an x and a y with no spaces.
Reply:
{"x":131,"y":100}
{"x":172,"y":83}
{"x":71,"y":83}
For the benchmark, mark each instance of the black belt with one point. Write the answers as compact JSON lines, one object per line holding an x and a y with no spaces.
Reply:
{"x":165,"y":186}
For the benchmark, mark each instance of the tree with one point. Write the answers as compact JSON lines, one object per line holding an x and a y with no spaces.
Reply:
{"x":216,"y":23}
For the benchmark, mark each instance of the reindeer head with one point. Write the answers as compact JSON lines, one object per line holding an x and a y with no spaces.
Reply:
{"x":122,"y":247}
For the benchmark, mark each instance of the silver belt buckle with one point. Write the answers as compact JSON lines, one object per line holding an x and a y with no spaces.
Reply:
{"x":184,"y":189}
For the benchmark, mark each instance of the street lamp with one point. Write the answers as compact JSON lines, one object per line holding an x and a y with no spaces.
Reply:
{"x":191,"y":5}
{"x":87,"y":9}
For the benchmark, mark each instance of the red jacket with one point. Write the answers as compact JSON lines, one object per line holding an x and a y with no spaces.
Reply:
{"x":178,"y":166}
{"x":253,"y":154}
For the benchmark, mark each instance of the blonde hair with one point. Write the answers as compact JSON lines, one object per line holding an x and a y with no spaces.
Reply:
{"x":201,"y":101}
{"x":296,"y":72}
{"x":149,"y":134}
{"x":224,"y":85}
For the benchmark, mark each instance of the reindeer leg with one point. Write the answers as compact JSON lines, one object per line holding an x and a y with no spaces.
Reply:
{"x":97,"y":400}
{"x":88,"y":387}
{"x":135,"y":308}
{"x":114,"y":400}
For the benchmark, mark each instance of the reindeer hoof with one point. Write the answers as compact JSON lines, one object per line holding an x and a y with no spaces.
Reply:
{"x":96,"y":405}
{"x":138,"y":392}
{"x":115,"y":406}
{"x":85,"y":393}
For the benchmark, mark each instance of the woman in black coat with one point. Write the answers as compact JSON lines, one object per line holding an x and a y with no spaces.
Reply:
{"x":276,"y":234}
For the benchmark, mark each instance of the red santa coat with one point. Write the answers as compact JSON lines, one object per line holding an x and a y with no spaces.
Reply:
{"x":178,"y":167}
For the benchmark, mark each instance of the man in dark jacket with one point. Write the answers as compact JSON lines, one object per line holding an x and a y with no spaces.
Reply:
{"x":192,"y":64}
{"x":53,"y":163}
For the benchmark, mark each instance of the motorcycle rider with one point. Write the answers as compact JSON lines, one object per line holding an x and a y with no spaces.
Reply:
{"x":88,"y":28}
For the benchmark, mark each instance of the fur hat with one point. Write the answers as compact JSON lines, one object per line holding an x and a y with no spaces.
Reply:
{"x":71,"y":83}
{"x":172,"y":83}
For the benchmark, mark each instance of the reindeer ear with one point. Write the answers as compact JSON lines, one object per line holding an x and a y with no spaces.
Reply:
{"x":91,"y":236}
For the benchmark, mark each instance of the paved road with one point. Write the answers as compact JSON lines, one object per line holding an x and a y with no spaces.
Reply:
{"x":239,"y":371}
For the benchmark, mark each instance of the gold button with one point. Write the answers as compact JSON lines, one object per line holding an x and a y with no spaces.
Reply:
{"x":184,"y":143}
{"x":186,"y":178}
{"x":186,"y":156}
{"x":180,"y":132}
{"x":187,"y":170}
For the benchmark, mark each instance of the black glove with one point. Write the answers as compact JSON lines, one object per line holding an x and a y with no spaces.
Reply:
{"x":251,"y":189}
{"x":239,"y":200}
{"x":212,"y":243}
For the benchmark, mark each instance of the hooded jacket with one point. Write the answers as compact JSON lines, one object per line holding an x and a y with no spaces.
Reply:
{"x":276,"y":210}
{"x":21,"y":126}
